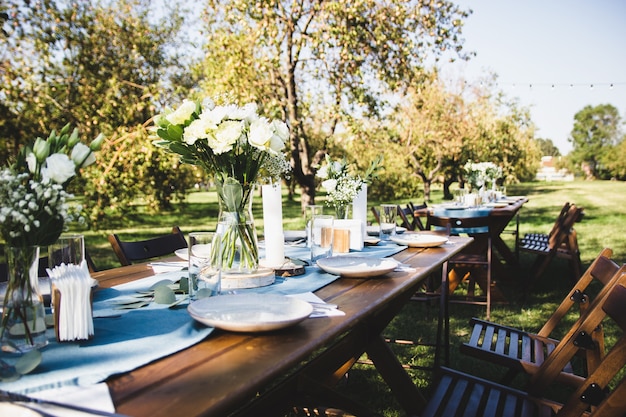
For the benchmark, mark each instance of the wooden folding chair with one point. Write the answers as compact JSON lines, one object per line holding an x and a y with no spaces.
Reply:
{"x":561,"y":242}
{"x":407,"y":220}
{"x":459,"y":394}
{"x":141,"y":250}
{"x":417,"y":213}
{"x":519,"y":350}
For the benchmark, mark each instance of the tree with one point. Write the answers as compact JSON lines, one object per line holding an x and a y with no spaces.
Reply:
{"x":433,"y":123}
{"x":597,"y":129}
{"x":315,"y":61}
{"x":547,"y":147}
{"x":99,"y":66}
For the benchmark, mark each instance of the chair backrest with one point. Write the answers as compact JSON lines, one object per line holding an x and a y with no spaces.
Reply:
{"x":576,"y":337}
{"x":407,"y":220}
{"x":601,"y":269}
{"x":563,"y":228}
{"x":129,"y":252}
{"x":376,"y":214}
{"x":592,"y":392}
{"x":418,"y":212}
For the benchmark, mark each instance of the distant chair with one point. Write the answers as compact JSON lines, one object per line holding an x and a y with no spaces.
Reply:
{"x":417,"y":212}
{"x":131,"y":252}
{"x":561,"y":242}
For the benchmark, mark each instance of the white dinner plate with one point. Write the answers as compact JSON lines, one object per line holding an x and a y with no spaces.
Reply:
{"x":375,"y":230}
{"x":16,"y":410}
{"x":182,"y":253}
{"x":250,"y":312}
{"x":357,"y":266}
{"x":417,"y":240}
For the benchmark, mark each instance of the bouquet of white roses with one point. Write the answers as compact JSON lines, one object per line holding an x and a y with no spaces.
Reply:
{"x":481,"y":174}
{"x":237,"y":146}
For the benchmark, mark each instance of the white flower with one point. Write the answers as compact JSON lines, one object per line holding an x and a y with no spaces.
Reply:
{"x":247,"y":113}
{"x":225,"y":136}
{"x":31,"y":161}
{"x":82,"y":155}
{"x":182,"y":114}
{"x":329,"y":185}
{"x":281,"y":130}
{"x":260,"y":134}
{"x":59,"y":168}
{"x":201,"y":128}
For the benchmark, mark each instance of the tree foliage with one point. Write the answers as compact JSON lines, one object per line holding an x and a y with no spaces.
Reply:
{"x":596,"y":133}
{"x":97,"y":65}
{"x":441,"y":129}
{"x":317,"y":62}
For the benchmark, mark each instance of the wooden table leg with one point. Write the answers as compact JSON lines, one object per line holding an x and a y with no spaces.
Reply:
{"x":401,"y":384}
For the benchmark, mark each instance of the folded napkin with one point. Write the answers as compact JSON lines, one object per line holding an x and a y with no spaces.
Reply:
{"x":95,"y":397}
{"x":320,"y":307}
{"x":74,"y":316}
{"x":161,"y":267}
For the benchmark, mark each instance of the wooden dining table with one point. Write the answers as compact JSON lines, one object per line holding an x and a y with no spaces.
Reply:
{"x":268,"y":373}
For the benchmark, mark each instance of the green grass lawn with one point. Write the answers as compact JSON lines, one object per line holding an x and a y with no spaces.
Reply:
{"x":603,"y":225}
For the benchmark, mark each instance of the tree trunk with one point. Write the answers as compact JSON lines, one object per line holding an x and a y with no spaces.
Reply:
{"x":447,"y":195}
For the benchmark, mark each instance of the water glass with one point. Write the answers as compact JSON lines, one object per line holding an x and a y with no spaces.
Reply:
{"x":205,"y":265}
{"x":387,"y":221}
{"x":312,"y":210}
{"x":68,"y":250}
{"x":321,"y":237}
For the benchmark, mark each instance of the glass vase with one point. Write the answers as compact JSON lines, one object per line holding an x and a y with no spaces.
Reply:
{"x":342,"y":211}
{"x":23,"y":325}
{"x":239,"y":249}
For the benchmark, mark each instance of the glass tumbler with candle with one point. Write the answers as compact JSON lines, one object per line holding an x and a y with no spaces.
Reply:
{"x":321,"y":237}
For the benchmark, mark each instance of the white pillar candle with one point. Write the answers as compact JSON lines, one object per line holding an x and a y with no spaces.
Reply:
{"x":359,"y":210}
{"x":273,"y":225}
{"x":359,"y":205}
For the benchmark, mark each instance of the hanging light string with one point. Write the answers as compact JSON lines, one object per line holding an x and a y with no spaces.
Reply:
{"x":554,"y":86}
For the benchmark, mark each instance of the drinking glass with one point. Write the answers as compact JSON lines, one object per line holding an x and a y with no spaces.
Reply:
{"x":312,"y":210}
{"x":387,"y":221}
{"x":321,"y":237}
{"x":205,"y":265}
{"x":68,"y":249}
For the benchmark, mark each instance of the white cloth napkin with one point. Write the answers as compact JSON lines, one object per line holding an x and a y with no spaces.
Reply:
{"x":320,"y":308}
{"x":95,"y":397}
{"x":161,"y":267}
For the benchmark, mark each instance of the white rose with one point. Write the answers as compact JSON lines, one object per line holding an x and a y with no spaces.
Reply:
{"x":182,"y":114}
{"x":322,"y":172}
{"x":261,"y":133}
{"x":281,"y":130}
{"x":226,"y":136}
{"x":216,"y":115}
{"x":59,"y":168}
{"x":201,"y":128}
{"x":329,"y":185}
{"x":82,"y":155}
